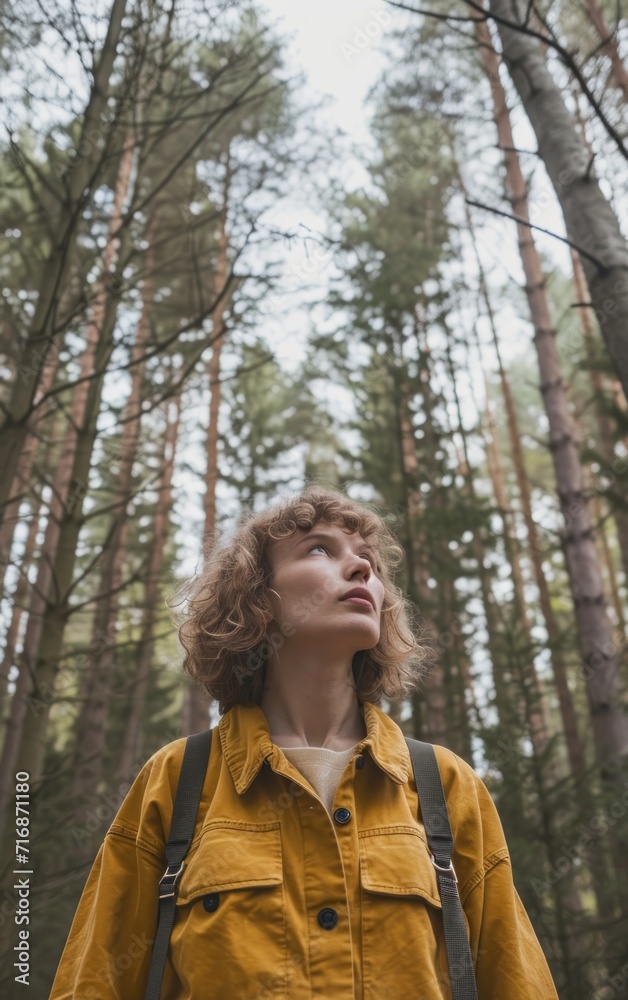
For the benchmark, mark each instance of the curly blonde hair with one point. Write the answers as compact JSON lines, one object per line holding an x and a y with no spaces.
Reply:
{"x":224,"y":630}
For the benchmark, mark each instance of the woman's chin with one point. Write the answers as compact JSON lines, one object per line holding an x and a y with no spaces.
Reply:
{"x":367,"y":641}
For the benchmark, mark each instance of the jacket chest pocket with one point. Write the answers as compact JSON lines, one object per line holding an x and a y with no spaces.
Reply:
{"x":403,"y":944}
{"x":229,"y":936}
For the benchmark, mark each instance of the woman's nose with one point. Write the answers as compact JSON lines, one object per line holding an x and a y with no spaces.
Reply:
{"x":363,"y":567}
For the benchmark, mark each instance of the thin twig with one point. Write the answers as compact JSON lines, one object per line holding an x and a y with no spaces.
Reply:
{"x":524,"y":222}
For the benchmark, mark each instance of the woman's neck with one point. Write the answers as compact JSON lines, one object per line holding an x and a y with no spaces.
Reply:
{"x":296,"y":720}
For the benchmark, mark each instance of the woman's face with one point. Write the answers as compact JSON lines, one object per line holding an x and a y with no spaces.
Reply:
{"x":312,"y":572}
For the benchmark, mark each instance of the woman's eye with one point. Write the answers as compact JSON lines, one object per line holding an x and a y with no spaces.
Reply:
{"x":366,"y":555}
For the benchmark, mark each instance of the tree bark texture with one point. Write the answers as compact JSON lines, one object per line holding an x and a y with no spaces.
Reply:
{"x":132,"y":746}
{"x":15,"y":422}
{"x":589,"y":219}
{"x":92,"y":723}
{"x":600,"y":655}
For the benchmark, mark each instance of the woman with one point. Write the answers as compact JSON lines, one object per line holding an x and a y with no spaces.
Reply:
{"x":309,"y":873}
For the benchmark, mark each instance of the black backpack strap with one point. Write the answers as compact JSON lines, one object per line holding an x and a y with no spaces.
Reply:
{"x":191,"y":781}
{"x":441,"y":843}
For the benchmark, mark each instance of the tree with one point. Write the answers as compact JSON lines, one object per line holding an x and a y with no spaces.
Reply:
{"x":591,"y":224}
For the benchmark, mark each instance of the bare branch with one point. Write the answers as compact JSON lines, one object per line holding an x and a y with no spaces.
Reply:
{"x":524,"y":222}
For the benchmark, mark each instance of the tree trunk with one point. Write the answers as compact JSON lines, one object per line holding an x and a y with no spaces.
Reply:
{"x":395,"y":708}
{"x":575,"y":748}
{"x":196,"y":699}
{"x":606,"y":431}
{"x":24,"y":591}
{"x":48,"y":610}
{"x":606,"y":560}
{"x":509,"y":717}
{"x":458,"y":721}
{"x":433,"y":695}
{"x":619,"y":74}
{"x":535,"y":708}
{"x":41,"y":592}
{"x":40,"y":690}
{"x":23,"y":475}
{"x":132,"y":745}
{"x":19,"y":604}
{"x":600,"y":657}
{"x":92,"y":722}
{"x":590,"y":221}
{"x":80,"y":179}
{"x":532,"y":708}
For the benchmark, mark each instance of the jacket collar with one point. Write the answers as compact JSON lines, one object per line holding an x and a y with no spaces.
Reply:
{"x":245,"y":739}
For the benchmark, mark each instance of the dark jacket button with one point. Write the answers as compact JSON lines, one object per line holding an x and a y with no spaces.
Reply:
{"x":359,"y":763}
{"x":328,"y":918}
{"x":211,"y":901}
{"x":342,"y":815}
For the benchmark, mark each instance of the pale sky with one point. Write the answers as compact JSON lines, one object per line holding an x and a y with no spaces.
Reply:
{"x":337,"y":44}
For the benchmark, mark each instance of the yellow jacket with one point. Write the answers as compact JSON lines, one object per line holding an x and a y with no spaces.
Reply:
{"x":279,"y":900}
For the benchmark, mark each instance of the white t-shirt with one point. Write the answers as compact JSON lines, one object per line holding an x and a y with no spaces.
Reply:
{"x":321,"y":767}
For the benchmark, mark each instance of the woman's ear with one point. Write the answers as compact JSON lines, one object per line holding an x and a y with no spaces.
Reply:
{"x":275,"y":605}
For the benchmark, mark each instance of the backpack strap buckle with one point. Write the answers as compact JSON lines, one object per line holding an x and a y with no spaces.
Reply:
{"x":450,"y":870}
{"x":168,"y":881}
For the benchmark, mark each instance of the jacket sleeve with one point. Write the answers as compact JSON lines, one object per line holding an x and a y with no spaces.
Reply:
{"x":108,"y":950}
{"x":508,"y":958}
{"x":510,"y":961}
